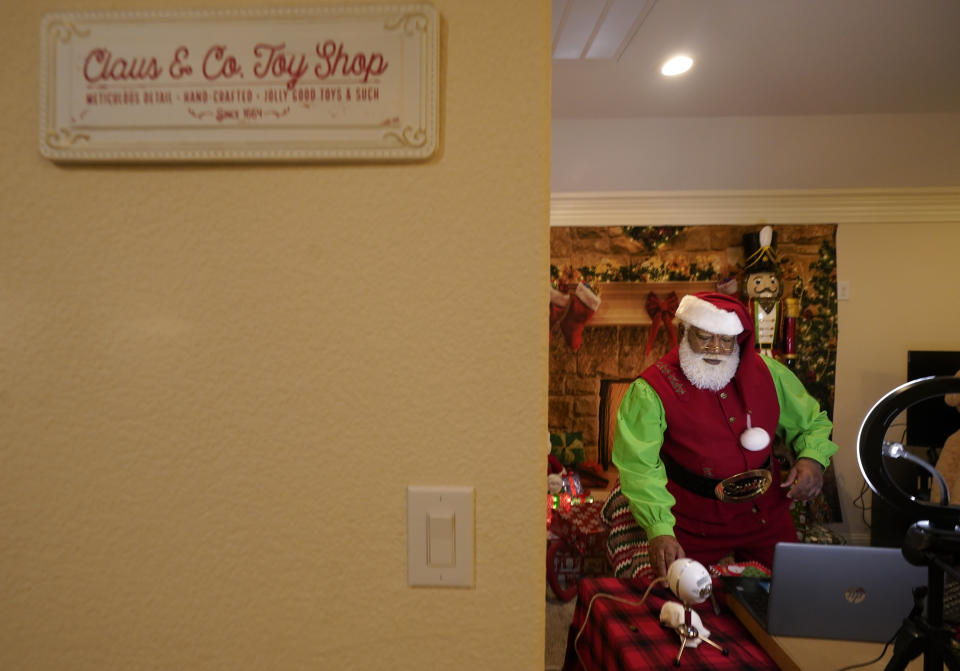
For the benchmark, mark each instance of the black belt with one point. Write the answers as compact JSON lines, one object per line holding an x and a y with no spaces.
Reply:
{"x":740,"y":487}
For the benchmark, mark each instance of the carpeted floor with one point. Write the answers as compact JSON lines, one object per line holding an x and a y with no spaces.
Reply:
{"x":559,"y":616}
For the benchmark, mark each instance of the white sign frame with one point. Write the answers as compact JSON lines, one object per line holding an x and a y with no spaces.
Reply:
{"x":329,"y":83}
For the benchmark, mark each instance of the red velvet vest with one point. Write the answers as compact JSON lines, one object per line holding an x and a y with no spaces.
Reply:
{"x":703,"y":435}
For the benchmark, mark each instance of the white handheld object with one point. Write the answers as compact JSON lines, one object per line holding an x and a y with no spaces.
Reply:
{"x":689,"y":580}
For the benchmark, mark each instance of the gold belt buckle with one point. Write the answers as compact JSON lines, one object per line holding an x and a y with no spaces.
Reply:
{"x":744,"y":486}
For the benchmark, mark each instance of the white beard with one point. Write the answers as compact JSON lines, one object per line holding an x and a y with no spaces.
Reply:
{"x":712,"y":377}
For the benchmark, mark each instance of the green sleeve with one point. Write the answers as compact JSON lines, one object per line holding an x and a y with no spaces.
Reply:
{"x":803,"y":425}
{"x":636,"y":454}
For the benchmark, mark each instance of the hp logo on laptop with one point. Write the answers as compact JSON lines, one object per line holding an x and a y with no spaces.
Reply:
{"x":855,"y":595}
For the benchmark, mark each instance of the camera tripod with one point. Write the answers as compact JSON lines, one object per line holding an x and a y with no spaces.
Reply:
{"x":924,"y":544}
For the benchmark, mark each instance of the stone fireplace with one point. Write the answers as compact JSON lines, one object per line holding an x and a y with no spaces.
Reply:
{"x":586,"y":386}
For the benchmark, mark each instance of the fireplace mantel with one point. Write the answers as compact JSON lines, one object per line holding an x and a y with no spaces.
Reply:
{"x":624,"y":303}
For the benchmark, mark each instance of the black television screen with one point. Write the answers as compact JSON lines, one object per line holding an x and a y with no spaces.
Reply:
{"x":931,"y":422}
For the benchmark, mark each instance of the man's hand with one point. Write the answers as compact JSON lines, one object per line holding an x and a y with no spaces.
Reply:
{"x":663,"y":550}
{"x":805,"y":479}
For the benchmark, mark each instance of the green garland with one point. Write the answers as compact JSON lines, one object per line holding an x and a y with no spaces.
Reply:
{"x":654,"y":269}
{"x":653,"y":237}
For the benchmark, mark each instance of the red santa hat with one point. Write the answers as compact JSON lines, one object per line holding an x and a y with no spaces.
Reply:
{"x":715,"y":313}
{"x":721,"y":314}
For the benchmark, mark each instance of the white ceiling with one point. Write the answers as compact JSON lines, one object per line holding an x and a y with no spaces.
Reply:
{"x":756,"y":57}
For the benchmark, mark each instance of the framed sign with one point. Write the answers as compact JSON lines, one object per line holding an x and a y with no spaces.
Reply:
{"x":330,"y":83}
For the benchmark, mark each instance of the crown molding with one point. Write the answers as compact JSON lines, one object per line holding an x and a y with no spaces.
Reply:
{"x":699,"y":208}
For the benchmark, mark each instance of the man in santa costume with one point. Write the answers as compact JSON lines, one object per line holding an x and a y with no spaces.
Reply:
{"x":694,"y":435}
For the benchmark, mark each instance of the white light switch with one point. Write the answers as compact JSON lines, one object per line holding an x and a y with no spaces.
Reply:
{"x":843,"y":291}
{"x":440,"y":536}
{"x":441,"y":542}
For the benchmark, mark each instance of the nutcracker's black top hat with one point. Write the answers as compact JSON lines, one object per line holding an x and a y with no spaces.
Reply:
{"x":760,"y":251}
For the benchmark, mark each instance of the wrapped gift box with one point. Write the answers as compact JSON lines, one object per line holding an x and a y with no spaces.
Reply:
{"x":585,"y":534}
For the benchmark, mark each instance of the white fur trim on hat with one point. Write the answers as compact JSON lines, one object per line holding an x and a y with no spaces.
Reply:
{"x":707,"y":316}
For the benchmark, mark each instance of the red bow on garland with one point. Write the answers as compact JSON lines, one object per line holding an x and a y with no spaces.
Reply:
{"x":661,"y":312}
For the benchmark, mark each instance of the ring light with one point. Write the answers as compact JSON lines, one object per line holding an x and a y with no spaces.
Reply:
{"x":871,"y":442}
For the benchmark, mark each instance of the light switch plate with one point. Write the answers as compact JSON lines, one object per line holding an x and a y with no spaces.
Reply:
{"x":440,"y":533}
{"x":843,"y":291}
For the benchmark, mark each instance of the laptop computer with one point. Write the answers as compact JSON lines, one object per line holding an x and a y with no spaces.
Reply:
{"x":848,"y":592}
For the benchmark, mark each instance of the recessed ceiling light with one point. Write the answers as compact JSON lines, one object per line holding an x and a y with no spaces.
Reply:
{"x":676,"y":66}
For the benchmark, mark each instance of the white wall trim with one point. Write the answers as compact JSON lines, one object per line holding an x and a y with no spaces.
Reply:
{"x":698,"y":208}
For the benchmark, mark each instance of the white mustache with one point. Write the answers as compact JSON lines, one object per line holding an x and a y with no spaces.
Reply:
{"x":708,"y":375}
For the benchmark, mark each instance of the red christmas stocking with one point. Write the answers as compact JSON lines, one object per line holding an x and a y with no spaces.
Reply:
{"x":559,"y":302}
{"x":583,"y":305}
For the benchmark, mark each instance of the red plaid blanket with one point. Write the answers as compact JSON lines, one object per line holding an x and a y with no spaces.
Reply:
{"x":622,"y":636}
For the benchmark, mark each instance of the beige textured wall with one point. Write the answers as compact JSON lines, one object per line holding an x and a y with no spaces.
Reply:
{"x":217,"y":382}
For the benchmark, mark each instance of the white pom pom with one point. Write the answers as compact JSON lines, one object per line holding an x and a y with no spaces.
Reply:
{"x":754,"y":439}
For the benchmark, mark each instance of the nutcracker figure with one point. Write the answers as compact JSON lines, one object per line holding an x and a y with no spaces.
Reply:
{"x":762,"y":290}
